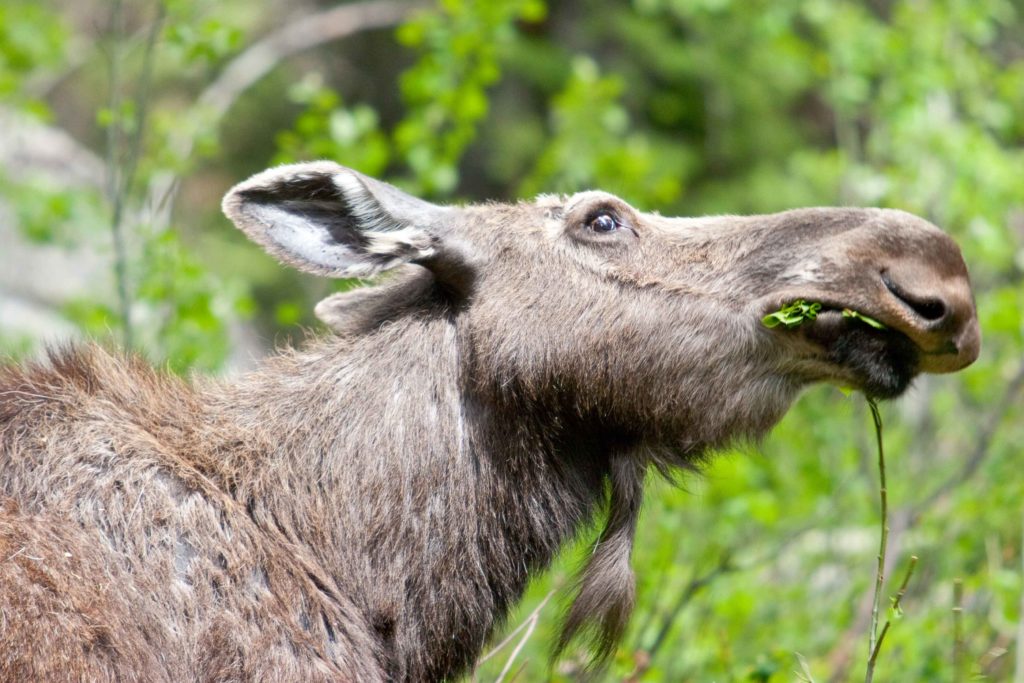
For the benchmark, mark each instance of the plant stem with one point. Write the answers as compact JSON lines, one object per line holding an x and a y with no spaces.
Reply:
{"x":895,"y":608}
{"x":115,"y":177}
{"x":124,"y":150}
{"x":529,"y":624}
{"x":1018,"y":669}
{"x":958,"y":611}
{"x":883,"y":543}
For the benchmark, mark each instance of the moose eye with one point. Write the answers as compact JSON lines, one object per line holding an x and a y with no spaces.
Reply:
{"x":603,"y":222}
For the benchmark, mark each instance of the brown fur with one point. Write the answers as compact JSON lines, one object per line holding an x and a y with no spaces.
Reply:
{"x":369,"y":507}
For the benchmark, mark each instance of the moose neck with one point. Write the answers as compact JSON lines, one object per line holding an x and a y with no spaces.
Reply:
{"x":427,"y":501}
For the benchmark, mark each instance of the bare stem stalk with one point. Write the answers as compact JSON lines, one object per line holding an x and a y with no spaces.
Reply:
{"x":958,"y":639}
{"x":883,"y":543}
{"x":124,"y":149}
{"x":1018,"y":669}
{"x":888,"y":622}
{"x":528,"y":624}
{"x":115,"y":177}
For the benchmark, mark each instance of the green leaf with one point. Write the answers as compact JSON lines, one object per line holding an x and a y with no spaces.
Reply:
{"x":849,"y":313}
{"x":792,"y":315}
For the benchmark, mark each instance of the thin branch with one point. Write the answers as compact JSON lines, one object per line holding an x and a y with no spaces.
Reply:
{"x":982,"y":443}
{"x":695,"y":585}
{"x":77,"y":55}
{"x":518,"y":673}
{"x":883,"y":541}
{"x":115,"y":178}
{"x":261,"y":58}
{"x":804,"y":674}
{"x":725,"y":565}
{"x":895,"y":608}
{"x":1018,"y":670}
{"x":298,"y":36}
{"x":841,"y":656}
{"x":519,"y":648}
{"x":958,"y":638}
{"x":529,"y":623}
{"x":142,"y":108}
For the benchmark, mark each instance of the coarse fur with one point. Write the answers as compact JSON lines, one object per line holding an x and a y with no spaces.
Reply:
{"x":369,"y":507}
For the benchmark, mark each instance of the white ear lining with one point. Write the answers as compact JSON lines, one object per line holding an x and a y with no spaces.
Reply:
{"x":299,"y":238}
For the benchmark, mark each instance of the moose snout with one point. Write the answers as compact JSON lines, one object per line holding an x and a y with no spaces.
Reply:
{"x":939,"y":316}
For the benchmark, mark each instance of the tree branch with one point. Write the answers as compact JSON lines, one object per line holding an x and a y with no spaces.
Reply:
{"x":302,"y":34}
{"x":115,"y":174}
{"x":529,"y":624}
{"x":981,"y":448}
{"x":121,"y":174}
{"x":261,"y":58}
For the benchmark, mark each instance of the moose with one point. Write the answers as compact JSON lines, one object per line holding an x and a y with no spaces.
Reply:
{"x":368,"y":507}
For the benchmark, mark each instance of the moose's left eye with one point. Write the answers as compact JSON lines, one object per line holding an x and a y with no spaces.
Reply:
{"x":603,"y":222}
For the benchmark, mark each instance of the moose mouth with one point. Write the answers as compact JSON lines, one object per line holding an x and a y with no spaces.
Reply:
{"x":922,"y":328}
{"x":880,"y":362}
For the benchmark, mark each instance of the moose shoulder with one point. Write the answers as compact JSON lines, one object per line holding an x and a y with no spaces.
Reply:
{"x":370,"y":507}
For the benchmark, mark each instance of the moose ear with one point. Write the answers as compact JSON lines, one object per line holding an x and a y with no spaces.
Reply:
{"x":330,"y":220}
{"x":366,"y":308}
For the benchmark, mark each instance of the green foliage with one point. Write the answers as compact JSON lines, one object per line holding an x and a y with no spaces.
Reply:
{"x":33,"y":39}
{"x":684,"y":106}
{"x":792,"y":315}
{"x":188,"y":308}
{"x":798,"y":312}
{"x":636,"y":166}
{"x":446,"y":90}
{"x":209,"y":41}
{"x":854,"y":315}
{"x":327,"y":130}
{"x":47,"y":213}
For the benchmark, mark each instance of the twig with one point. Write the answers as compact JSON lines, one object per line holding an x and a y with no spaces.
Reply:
{"x":876,"y":637}
{"x":115,"y":179}
{"x":297,"y":36}
{"x":142,"y":108}
{"x":958,"y":611}
{"x":895,"y":608}
{"x":725,"y":565}
{"x":982,"y":443}
{"x":518,"y":673}
{"x":529,"y":623}
{"x":905,"y":517}
{"x":1018,"y":669}
{"x":883,"y":542}
{"x":123,"y":179}
{"x":804,"y":674}
{"x":261,"y":58}
{"x":695,"y":585}
{"x":517,"y":650}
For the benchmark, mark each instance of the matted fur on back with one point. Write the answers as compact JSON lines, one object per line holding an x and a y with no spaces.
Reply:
{"x":122,"y":556}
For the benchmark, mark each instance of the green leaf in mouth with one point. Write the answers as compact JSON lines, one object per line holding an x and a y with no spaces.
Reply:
{"x":849,"y":313}
{"x":792,"y":315}
{"x":800,"y":311}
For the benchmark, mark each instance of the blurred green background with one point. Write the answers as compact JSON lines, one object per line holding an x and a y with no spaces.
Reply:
{"x":123,"y":122}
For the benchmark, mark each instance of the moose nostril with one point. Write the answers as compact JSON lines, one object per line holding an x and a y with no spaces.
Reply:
{"x":929,"y":308}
